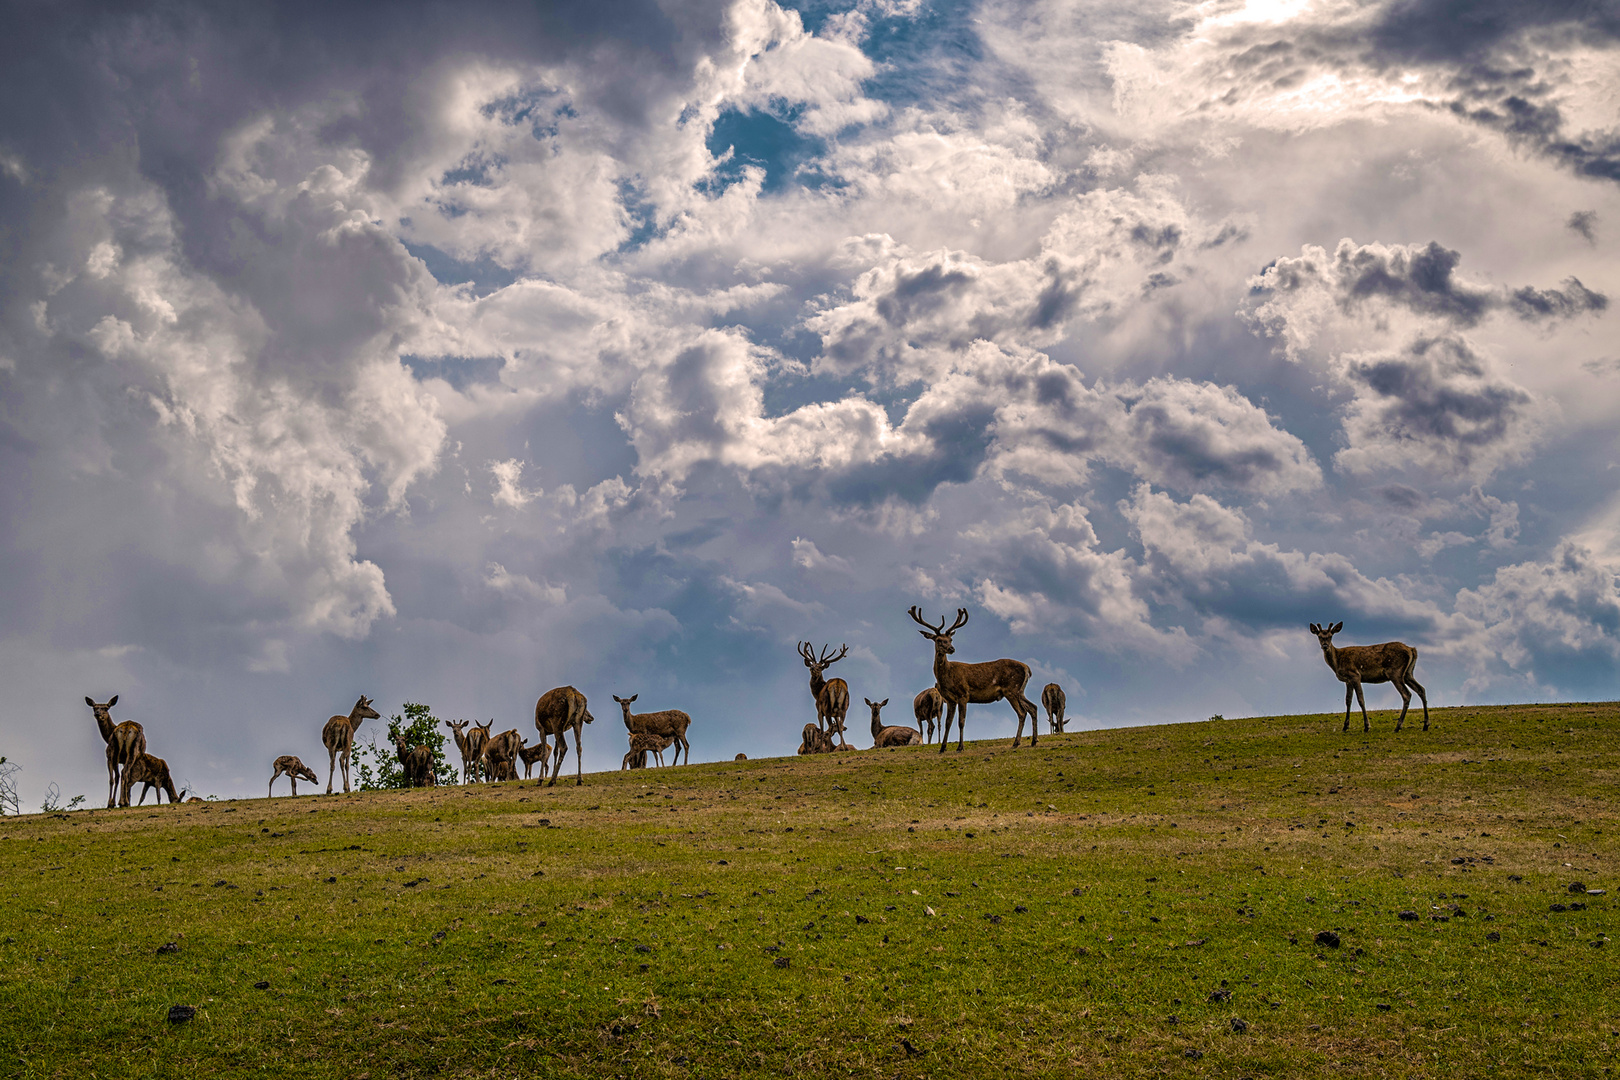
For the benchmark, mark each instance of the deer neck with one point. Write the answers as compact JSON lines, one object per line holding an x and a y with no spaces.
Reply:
{"x":104,"y":722}
{"x":1331,"y":656}
{"x":942,"y":665}
{"x":877,"y":725}
{"x":818,"y":682}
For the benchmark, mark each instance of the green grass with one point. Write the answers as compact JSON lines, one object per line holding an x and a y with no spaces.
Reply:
{"x":1086,"y":892}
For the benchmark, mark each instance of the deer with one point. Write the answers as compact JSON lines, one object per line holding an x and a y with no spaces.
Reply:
{"x":832,"y":695}
{"x":815,"y":741}
{"x":126,"y":742}
{"x":416,"y":761}
{"x":338,"y":736}
{"x":1052,"y":697}
{"x":500,"y":755}
{"x":978,"y":684}
{"x":641,"y":745}
{"x":152,"y":772}
{"x":294,"y":770}
{"x":926,"y":707}
{"x":668,"y":722}
{"x":1391,"y":662}
{"x":540,"y":752}
{"x":470,"y":745}
{"x":558,"y":710}
{"x":883,"y":735}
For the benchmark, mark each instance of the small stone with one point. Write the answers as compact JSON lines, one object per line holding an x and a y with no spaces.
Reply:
{"x":1327,"y":938}
{"x":179,"y":1014}
{"x":262,"y":984}
{"x":1408,"y":916}
{"x":781,"y":961}
{"x":1239,"y":1025}
{"x":1577,"y":887}
{"x":1020,"y":909}
{"x":1217,"y":996}
{"x":331,"y":881}
{"x":1494,"y":935}
{"x":644,"y":948}
{"x":1193,"y":1053}
{"x":1382,"y":1006}
{"x":171,"y":947}
{"x":859,"y":919}
{"x":1558,"y":907}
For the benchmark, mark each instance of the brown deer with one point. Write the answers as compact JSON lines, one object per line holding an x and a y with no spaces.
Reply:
{"x":152,"y":772}
{"x":926,"y":707}
{"x":1391,"y":662}
{"x":976,"y":684}
{"x":294,"y":770}
{"x":1052,"y":697}
{"x":126,"y":742}
{"x":338,"y":737}
{"x":500,"y":755}
{"x":832,"y":695}
{"x":890,"y":736}
{"x":815,"y":741}
{"x":540,"y":752}
{"x":559,"y":710}
{"x":417,"y":763}
{"x":470,"y":745}
{"x":641,"y":746}
{"x":667,"y":722}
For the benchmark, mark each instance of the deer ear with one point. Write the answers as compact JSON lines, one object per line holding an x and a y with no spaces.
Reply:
{"x":113,"y":702}
{"x":1336,"y":628}
{"x":88,"y":702}
{"x":1315,"y":629}
{"x":882,"y":703}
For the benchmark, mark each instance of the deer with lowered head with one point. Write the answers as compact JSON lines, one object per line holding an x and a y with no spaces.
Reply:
{"x":338,"y":737}
{"x":541,"y":752}
{"x":126,"y":742}
{"x":926,"y":707}
{"x":1052,"y":697}
{"x":294,"y":770}
{"x":883,"y":735}
{"x":668,"y":722}
{"x":416,"y":761}
{"x":500,"y":755}
{"x":153,"y":772}
{"x":1392,"y":662}
{"x":961,"y":685}
{"x":558,"y":711}
{"x":831,"y":695}
{"x":815,"y":741}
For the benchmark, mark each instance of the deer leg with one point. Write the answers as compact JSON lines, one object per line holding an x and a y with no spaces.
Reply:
{"x":112,"y":776}
{"x":345,"y":763}
{"x":1414,"y":684}
{"x":579,"y":755}
{"x":1026,"y":705}
{"x":961,"y":725}
{"x":331,"y":767}
{"x":1349,"y":692}
{"x":1361,"y":699}
{"x":1406,"y":701}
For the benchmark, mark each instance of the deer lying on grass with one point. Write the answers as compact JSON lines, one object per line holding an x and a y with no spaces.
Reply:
{"x":978,"y":684}
{"x":338,"y":737}
{"x":559,"y":710}
{"x":668,"y":722}
{"x":641,"y":746}
{"x":294,"y":770}
{"x":417,"y":763}
{"x":815,"y":741}
{"x":540,"y":752}
{"x":126,"y":742}
{"x":832,"y":695}
{"x":500,"y":755}
{"x":1391,"y":662}
{"x":152,"y":772}
{"x":890,"y":736}
{"x":1052,"y":697}
{"x":926,"y":707}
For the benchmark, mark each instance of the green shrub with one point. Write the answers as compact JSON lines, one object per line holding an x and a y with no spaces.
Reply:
{"x":376,"y":762}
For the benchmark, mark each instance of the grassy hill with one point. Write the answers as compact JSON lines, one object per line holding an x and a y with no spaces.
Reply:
{"x":1143,"y":901}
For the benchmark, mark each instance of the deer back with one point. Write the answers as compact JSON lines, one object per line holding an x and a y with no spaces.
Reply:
{"x":927,"y":705}
{"x":898,"y":735}
{"x":834,"y":698}
{"x":559,"y":709}
{"x":671,"y":722}
{"x":984,"y":682}
{"x":1374,"y":663}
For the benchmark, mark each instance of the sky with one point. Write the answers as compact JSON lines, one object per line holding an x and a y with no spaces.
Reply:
{"x":448,"y":353}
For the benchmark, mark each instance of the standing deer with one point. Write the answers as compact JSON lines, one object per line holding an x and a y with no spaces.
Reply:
{"x":671,"y":723}
{"x":338,"y":736}
{"x":558,"y":710}
{"x":926,"y":707}
{"x":977,"y":684}
{"x":126,"y":742}
{"x":294,"y":770}
{"x":1052,"y":697}
{"x":500,"y":755}
{"x":890,"y":736}
{"x":470,"y":745}
{"x":1391,"y":662}
{"x":416,"y":761}
{"x":832,"y":695}
{"x":541,"y":752}
{"x":152,"y":772}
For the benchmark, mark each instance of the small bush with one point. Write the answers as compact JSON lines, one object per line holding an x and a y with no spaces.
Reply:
{"x":376,"y":762}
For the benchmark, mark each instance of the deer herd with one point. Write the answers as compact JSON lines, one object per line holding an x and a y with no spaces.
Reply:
{"x":489,"y":757}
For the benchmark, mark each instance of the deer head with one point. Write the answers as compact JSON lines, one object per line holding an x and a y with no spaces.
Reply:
{"x":818,"y":664}
{"x":940,"y":636}
{"x":304,"y":772}
{"x":363,"y":711}
{"x":103,"y":715}
{"x":1324,"y":634}
{"x":624,"y":703}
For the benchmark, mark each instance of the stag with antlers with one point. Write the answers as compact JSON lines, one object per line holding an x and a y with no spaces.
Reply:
{"x":126,"y":742}
{"x":832,"y":695}
{"x":1391,"y":662}
{"x":961,"y":685}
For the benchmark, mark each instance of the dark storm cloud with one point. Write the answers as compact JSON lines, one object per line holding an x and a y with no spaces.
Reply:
{"x":1584,"y":222}
{"x":1459,"y":30}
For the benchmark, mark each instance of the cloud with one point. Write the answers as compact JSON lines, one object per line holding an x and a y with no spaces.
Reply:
{"x":1583,"y":223}
{"x":509,"y":484}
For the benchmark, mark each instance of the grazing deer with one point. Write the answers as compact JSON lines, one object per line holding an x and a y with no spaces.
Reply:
{"x":416,"y":761}
{"x":540,"y":752}
{"x":1391,"y":662}
{"x":641,"y":746}
{"x":890,"y":736}
{"x":671,"y":723}
{"x":126,"y":742}
{"x":152,"y":772}
{"x":338,"y":737}
{"x":832,"y":695}
{"x":500,"y":755}
{"x":1052,"y":697}
{"x":557,"y":711}
{"x":815,"y":741}
{"x":294,"y":770}
{"x":926,"y":707}
{"x":976,"y":684}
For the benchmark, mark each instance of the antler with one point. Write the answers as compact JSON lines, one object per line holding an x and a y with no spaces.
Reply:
{"x":961,"y":620}
{"x":807,"y":652}
{"x":916,"y":613}
{"x":827,"y":658}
